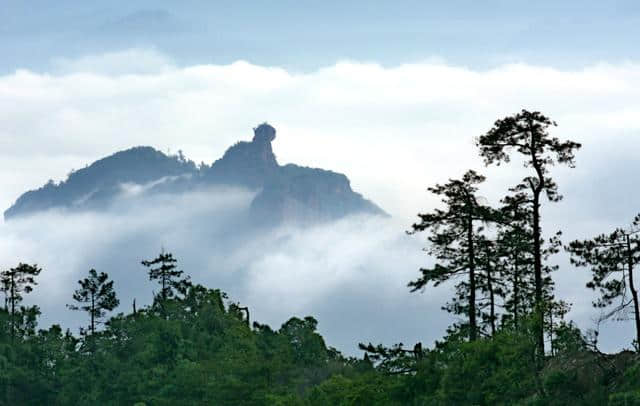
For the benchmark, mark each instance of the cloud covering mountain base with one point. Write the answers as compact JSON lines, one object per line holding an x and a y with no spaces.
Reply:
{"x":350,"y":274}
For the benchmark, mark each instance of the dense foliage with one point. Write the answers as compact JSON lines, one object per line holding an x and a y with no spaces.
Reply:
{"x":198,"y":349}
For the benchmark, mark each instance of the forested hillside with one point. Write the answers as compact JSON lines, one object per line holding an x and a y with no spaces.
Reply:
{"x":195,"y":346}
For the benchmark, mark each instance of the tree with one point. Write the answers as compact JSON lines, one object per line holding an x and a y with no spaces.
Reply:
{"x":453,"y":236}
{"x":555,"y":311}
{"x":308,"y":346}
{"x":526,"y":132}
{"x":97,"y":294}
{"x":163,"y":270}
{"x":14,"y":282}
{"x":612,"y":258}
{"x":513,"y":247}
{"x":490,"y":283}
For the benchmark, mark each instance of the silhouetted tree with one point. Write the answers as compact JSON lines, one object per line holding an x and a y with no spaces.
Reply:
{"x":95,"y":296}
{"x":612,"y":259}
{"x":394,"y":360}
{"x":490,"y":283}
{"x":514,"y":247}
{"x":452,"y":238}
{"x":526,"y":132}
{"x":163,"y":270}
{"x":14,"y":282}
{"x":554,"y":313}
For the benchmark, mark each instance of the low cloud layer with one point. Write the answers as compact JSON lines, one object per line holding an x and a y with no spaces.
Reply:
{"x":351,"y":274}
{"x":393,"y":130}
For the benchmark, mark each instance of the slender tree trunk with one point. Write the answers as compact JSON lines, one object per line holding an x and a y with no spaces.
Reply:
{"x":551,"y":331}
{"x":93,"y":312}
{"x":634,"y":292}
{"x":13,"y":306}
{"x":537,"y":270}
{"x":472,"y":283}
{"x":164,"y":287}
{"x":516,"y":287}
{"x":492,"y":310}
{"x":164,"y":292}
{"x":537,"y":250}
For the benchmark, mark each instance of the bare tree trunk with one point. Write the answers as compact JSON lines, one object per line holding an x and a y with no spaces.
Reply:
{"x":516,"y":287}
{"x":13,"y":306}
{"x":492,"y":310}
{"x":164,"y":287}
{"x":634,"y":293}
{"x":93,"y":312}
{"x":537,"y":269}
{"x":537,"y":190}
{"x":492,"y":302}
{"x":472,"y":283}
{"x":551,"y":331}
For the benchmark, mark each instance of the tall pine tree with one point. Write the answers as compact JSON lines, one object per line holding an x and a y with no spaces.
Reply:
{"x":527,"y":133}
{"x":514,"y":247}
{"x":453,"y":235}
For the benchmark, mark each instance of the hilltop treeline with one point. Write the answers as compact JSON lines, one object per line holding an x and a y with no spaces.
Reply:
{"x":511,"y":344}
{"x":194,"y":346}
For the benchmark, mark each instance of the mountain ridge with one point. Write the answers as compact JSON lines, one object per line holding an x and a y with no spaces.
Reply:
{"x":284,"y":191}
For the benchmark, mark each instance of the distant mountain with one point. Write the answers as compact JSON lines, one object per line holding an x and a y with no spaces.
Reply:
{"x":287,"y":192}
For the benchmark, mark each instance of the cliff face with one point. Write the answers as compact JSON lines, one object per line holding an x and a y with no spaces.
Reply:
{"x":287,"y":192}
{"x":309,"y":194}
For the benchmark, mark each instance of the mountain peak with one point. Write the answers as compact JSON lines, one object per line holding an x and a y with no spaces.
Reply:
{"x":285,"y":192}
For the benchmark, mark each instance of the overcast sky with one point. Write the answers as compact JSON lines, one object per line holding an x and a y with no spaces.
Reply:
{"x":306,"y":35}
{"x":391,"y":95}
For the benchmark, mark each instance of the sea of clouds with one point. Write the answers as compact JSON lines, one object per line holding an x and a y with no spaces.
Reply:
{"x":393,"y":130}
{"x":351,"y":274}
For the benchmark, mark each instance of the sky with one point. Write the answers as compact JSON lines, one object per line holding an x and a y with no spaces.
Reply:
{"x":306,"y":35}
{"x":391,"y":95}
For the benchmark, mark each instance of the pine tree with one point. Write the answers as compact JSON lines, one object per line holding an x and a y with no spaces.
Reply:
{"x":95,"y":296}
{"x":526,"y":132}
{"x":516,"y":274}
{"x":612,"y":259}
{"x":14,"y":282}
{"x":163,"y":270}
{"x":453,"y":233}
{"x":554,"y":313}
{"x":490,"y":283}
